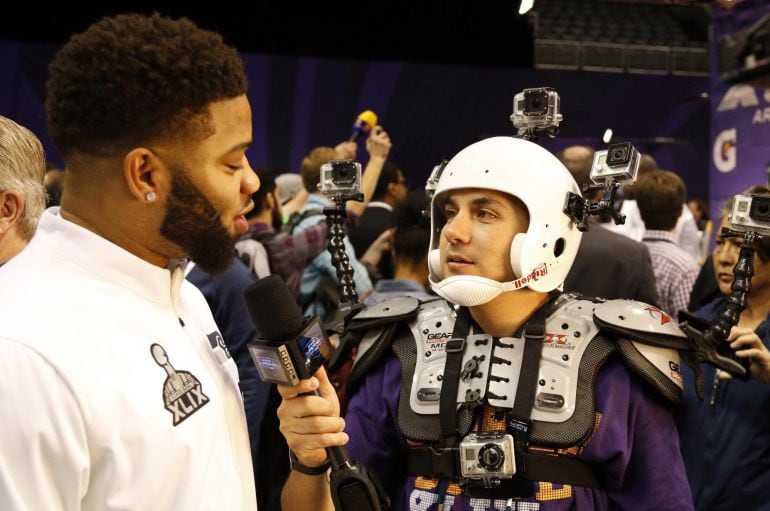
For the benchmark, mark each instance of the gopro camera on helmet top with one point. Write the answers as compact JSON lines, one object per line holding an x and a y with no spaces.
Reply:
{"x":536,"y":112}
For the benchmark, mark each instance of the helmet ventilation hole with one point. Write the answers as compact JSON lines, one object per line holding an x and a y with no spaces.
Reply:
{"x":558,"y":247}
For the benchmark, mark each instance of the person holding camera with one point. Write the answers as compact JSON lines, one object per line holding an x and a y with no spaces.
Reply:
{"x":515,"y":397}
{"x":319,"y":280}
{"x":725,"y":437}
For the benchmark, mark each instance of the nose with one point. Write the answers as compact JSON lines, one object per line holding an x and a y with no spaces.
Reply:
{"x":249,"y":179}
{"x":457,"y":230}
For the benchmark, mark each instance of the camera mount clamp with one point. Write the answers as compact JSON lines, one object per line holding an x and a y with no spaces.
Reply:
{"x":709,"y":343}
{"x":579,"y":209}
{"x":353,"y":487}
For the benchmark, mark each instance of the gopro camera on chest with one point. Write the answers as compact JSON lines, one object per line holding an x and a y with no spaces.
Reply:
{"x":488,"y":457}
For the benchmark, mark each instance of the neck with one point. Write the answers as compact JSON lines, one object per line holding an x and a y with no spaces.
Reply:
{"x":757,"y":310}
{"x":97,"y":212}
{"x":508,"y":312}
{"x":11,"y":243}
{"x":415,"y":273}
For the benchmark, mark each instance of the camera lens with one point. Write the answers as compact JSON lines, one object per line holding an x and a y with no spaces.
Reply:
{"x":760,"y":208}
{"x":491,"y":457}
{"x":618,"y":154}
{"x":535,"y":102}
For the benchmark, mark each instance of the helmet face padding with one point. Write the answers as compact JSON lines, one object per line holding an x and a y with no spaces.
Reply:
{"x":541,"y":257}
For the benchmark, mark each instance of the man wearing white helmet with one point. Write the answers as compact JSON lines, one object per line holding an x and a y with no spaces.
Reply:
{"x":516,"y":398}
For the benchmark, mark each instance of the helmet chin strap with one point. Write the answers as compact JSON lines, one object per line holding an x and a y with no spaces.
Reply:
{"x":470,"y":290}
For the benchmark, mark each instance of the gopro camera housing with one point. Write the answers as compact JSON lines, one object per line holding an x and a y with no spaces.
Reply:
{"x":618,"y":163}
{"x":487,"y":456}
{"x":536,"y":108}
{"x":751,"y":212}
{"x":340,"y":177}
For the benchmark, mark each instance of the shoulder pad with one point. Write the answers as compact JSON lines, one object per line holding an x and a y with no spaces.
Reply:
{"x":403,"y":308}
{"x":379,"y":322}
{"x":648,"y":343}
{"x":641,"y":322}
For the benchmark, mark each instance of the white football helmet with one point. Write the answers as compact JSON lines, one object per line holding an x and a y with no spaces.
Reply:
{"x":541,"y":257}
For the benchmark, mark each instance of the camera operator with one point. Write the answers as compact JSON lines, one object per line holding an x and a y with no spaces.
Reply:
{"x":501,"y":247}
{"x":724,"y":438}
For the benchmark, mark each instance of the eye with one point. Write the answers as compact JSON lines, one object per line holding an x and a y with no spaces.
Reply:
{"x":450,"y":213}
{"x":486,"y":214}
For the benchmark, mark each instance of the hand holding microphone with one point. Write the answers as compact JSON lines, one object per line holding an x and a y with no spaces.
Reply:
{"x":365,"y":121}
{"x":289,"y":351}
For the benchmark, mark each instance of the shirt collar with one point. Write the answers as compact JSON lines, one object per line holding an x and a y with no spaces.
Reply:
{"x":380,"y":204}
{"x":655,"y":235}
{"x":108,"y":261}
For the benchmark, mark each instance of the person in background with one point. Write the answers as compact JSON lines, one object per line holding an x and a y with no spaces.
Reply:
{"x":660,"y":195}
{"x":125,"y":396}
{"x":608,"y":265}
{"x":378,"y":216}
{"x":410,"y":253}
{"x":725,"y":438}
{"x":22,"y":195}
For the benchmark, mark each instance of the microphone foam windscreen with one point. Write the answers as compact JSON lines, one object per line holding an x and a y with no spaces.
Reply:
{"x":366,"y":121}
{"x":273,"y":309}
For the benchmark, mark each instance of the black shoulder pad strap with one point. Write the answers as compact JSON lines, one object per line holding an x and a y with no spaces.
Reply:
{"x":372,"y":347}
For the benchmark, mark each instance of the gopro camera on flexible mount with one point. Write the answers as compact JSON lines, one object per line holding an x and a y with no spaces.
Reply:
{"x":536,"y":113}
{"x":750,"y":221}
{"x":616,"y":166}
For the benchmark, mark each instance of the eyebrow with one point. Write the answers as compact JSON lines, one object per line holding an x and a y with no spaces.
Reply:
{"x":238,"y":147}
{"x":477,"y":202}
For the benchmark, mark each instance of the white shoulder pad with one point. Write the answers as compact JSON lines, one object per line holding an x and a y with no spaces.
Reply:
{"x":641,"y":322}
{"x":569,"y":331}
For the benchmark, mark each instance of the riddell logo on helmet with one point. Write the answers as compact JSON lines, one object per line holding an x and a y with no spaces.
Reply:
{"x":540,"y":271}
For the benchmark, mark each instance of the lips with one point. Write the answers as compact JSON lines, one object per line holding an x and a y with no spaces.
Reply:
{"x":458,"y":262}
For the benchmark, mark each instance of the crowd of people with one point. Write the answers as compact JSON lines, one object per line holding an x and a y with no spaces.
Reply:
{"x":532,"y":365}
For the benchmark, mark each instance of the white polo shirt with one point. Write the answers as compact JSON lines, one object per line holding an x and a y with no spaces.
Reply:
{"x":116,"y":392}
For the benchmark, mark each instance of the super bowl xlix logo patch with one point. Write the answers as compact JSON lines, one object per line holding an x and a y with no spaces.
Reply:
{"x":182,"y":392}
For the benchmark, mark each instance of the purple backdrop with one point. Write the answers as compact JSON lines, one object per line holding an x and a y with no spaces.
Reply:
{"x":431,"y":111}
{"x":740,"y":118}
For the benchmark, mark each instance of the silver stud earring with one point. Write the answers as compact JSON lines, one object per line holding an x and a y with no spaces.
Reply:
{"x":150,"y":196}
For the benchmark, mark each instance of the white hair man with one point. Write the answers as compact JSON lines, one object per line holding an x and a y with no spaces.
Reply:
{"x":22,"y":195}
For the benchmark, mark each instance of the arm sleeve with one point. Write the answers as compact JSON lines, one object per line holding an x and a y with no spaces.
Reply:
{"x":44,"y":460}
{"x":371,"y":423}
{"x":637,"y":445}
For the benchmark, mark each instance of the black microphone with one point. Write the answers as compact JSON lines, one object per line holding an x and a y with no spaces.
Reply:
{"x":290,"y":348}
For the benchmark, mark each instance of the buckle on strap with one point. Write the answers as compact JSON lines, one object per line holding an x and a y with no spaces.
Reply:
{"x":456,"y":345}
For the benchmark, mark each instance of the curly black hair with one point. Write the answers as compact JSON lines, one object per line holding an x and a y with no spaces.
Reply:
{"x":132,"y":79}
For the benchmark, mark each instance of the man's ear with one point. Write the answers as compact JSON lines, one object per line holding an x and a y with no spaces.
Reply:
{"x":270,"y":201}
{"x":146,"y":175}
{"x":11,"y":208}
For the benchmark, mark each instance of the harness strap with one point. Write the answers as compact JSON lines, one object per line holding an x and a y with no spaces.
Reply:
{"x":444,"y":462}
{"x":454,"y":349}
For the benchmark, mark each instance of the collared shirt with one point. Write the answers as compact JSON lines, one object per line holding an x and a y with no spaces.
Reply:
{"x":116,"y":390}
{"x":675,"y":270}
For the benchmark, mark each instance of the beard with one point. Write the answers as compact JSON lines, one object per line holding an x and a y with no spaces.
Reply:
{"x":192,"y":222}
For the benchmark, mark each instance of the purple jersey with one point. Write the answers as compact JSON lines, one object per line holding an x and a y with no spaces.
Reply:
{"x":634,"y":446}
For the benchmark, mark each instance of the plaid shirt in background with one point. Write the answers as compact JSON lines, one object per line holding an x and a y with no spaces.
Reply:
{"x":675,"y":270}
{"x":289,"y":254}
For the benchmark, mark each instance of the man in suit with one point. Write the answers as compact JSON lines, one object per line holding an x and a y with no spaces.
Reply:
{"x":608,"y":265}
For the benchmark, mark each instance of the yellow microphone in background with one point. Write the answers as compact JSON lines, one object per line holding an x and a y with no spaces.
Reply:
{"x":365,"y":121}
